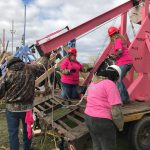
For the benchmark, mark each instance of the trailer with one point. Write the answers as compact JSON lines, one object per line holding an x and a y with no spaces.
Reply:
{"x":67,"y":119}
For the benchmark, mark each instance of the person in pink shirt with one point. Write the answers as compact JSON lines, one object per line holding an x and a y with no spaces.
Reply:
{"x":123,"y":59}
{"x":70,"y":69}
{"x":102,"y":110}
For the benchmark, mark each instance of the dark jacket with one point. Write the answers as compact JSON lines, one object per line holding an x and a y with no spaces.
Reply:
{"x":17,"y":87}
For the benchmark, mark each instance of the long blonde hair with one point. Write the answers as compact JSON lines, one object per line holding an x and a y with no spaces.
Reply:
{"x":116,"y":36}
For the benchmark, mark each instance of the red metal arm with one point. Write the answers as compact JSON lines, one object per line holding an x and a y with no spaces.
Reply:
{"x":85,"y":27}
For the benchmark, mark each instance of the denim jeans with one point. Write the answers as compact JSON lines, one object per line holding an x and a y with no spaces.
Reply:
{"x":13,"y":119}
{"x":122,"y":89}
{"x":69,"y":91}
{"x":103,"y":133}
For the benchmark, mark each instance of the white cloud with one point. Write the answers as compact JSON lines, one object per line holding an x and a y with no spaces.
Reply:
{"x":46,"y":16}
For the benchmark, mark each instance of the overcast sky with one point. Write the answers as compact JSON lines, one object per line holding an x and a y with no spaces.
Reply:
{"x":46,"y":16}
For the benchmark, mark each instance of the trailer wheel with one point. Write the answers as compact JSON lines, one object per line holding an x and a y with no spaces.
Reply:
{"x":141,"y":134}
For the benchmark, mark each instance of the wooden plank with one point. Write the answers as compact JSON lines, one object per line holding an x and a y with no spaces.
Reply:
{"x":3,"y":56}
{"x":67,"y":135}
{"x":79,"y":131}
{"x":136,"y":107}
{"x":61,"y":113}
{"x":54,"y":102}
{"x":62,"y":101}
{"x":135,"y":104}
{"x":78,"y":122}
{"x":64,"y":124}
{"x":39,"y":100}
{"x":47,"y":104}
{"x":58,"y":98}
{"x":41,"y":114}
{"x":42,"y":108}
{"x":79,"y":114}
{"x":53,"y":108}
{"x":47,"y":73}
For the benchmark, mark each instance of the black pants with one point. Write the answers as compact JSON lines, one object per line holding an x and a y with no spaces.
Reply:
{"x":103,"y":133}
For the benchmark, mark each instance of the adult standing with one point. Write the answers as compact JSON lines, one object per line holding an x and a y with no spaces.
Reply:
{"x":70,"y":69}
{"x":17,"y":89}
{"x":123,"y":59}
{"x":102,"y":110}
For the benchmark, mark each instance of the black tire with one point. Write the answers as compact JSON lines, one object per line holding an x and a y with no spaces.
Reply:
{"x":141,"y":134}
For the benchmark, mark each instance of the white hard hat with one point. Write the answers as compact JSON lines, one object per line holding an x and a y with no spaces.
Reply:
{"x":117,"y":68}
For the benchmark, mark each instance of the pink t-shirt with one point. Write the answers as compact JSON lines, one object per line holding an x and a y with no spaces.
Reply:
{"x":100,"y":99}
{"x":72,"y":78}
{"x":125,"y":57}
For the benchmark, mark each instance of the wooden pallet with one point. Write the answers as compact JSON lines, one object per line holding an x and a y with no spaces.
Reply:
{"x":69,"y":122}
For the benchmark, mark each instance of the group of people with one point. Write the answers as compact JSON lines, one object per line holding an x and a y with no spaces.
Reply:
{"x":105,"y":94}
{"x":70,"y":67}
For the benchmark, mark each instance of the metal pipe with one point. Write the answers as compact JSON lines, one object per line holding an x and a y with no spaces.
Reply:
{"x":24,"y":35}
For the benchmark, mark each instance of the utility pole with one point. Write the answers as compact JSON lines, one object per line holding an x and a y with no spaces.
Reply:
{"x":1,"y":45}
{"x":3,"y":40}
{"x":12,"y":33}
{"x":24,"y":35}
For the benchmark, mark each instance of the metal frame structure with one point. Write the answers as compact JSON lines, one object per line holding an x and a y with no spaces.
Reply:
{"x":68,"y":122}
{"x":139,"y":48}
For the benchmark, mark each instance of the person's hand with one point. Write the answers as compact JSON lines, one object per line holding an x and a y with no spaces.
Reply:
{"x":72,"y":70}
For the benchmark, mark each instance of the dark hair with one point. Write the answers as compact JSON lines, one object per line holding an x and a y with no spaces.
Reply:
{"x":106,"y":71}
{"x":112,"y":74}
{"x":101,"y":71}
{"x":13,"y":60}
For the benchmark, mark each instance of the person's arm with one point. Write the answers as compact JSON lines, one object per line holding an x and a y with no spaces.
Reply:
{"x":118,"y":53}
{"x":114,"y":100}
{"x":118,"y":48}
{"x":2,"y":88}
{"x":117,"y":117}
{"x":39,"y":66}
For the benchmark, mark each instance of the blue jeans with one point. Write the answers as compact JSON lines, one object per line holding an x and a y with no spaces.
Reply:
{"x":122,"y":89}
{"x":13,"y":119}
{"x":69,"y":91}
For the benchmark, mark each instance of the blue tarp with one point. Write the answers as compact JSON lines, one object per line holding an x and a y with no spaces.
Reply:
{"x":25,"y":54}
{"x":26,"y":2}
{"x":70,"y":44}
{"x":3,"y":67}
